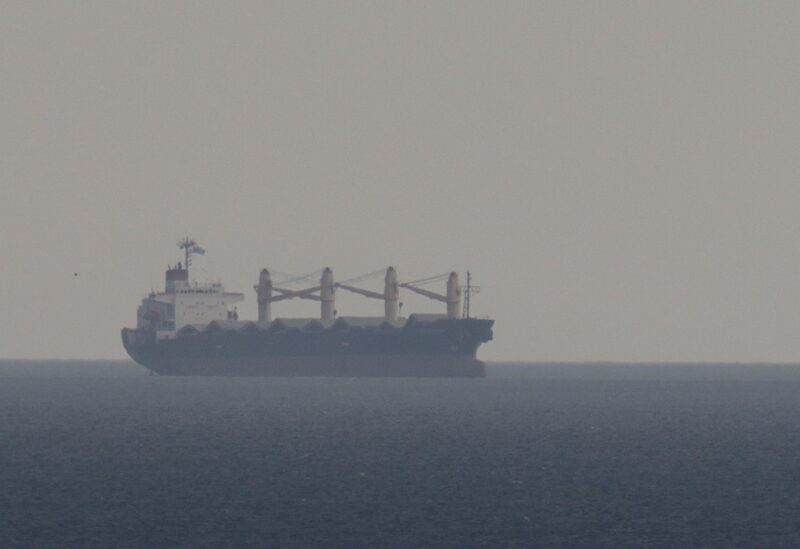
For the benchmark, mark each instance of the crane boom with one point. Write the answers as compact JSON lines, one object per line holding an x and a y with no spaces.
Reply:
{"x":290,"y":294}
{"x":426,"y":293}
{"x":365,"y":293}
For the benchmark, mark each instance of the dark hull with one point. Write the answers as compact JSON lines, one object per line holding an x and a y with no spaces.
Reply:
{"x":317,"y":366}
{"x":440,"y":349}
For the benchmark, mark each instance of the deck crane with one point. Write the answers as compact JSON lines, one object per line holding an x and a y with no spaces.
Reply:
{"x":390,"y":295}
{"x":452,"y":297}
{"x":325,"y":293}
{"x":264,"y":291}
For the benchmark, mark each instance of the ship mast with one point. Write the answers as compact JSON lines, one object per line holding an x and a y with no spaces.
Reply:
{"x":466,"y":294}
{"x":469,"y":289}
{"x":187,"y":245}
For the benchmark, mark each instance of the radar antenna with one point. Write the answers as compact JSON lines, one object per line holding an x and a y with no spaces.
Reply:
{"x":187,"y":245}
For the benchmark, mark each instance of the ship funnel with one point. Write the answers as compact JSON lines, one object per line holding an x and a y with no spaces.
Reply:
{"x":174,"y":277}
{"x":391,"y":295}
{"x":453,"y":296}
{"x":327,"y":295}
{"x":264,"y":295}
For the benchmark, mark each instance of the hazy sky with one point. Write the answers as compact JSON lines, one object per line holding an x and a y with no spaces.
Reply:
{"x":621,"y":178}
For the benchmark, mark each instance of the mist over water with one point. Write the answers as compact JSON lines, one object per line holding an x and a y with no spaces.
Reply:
{"x":100,"y":453}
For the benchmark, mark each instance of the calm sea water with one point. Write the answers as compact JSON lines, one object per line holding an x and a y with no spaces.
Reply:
{"x":101,"y":454}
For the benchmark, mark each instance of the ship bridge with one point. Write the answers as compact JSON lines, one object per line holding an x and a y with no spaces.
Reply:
{"x":183,"y":302}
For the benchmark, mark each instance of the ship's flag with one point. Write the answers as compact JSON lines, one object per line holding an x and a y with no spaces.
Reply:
{"x":198,"y":250}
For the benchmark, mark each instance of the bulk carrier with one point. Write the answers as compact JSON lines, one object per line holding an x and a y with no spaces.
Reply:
{"x":193,"y":329}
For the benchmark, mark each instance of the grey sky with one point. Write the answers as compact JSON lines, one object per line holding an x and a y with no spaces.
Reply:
{"x":621,"y":178}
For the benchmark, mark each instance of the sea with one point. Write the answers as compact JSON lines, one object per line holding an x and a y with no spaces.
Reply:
{"x":101,"y":454}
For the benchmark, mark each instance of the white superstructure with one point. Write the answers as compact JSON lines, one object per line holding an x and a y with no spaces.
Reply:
{"x":183,"y":302}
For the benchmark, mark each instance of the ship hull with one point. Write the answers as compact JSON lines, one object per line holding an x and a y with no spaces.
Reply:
{"x":445,"y":348}
{"x":321,"y":366}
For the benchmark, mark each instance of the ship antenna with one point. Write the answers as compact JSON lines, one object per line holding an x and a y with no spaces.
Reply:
{"x":187,"y":245}
{"x":469,"y":289}
{"x":466,"y":294}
